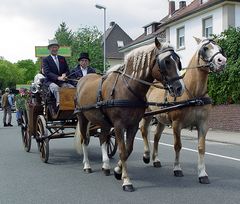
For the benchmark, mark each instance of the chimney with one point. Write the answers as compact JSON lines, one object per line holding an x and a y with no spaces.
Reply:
{"x":182,"y":4}
{"x":112,"y":23}
{"x":171,"y":7}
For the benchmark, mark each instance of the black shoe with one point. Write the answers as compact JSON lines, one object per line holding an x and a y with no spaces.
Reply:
{"x":9,"y":124}
{"x":5,"y":125}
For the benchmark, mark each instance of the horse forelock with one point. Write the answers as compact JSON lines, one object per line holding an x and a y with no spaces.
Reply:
{"x":166,"y":46}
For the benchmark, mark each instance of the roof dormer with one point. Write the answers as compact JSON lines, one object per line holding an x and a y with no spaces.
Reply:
{"x":151,"y":28}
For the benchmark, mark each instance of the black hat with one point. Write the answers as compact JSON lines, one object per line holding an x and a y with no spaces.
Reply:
{"x":84,"y":55}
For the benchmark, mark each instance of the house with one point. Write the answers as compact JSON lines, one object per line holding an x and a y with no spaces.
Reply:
{"x":116,"y":38}
{"x":201,"y":18}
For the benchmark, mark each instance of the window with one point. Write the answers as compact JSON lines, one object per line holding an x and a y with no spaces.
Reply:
{"x":207,"y":27}
{"x":120,"y":44}
{"x":180,"y":38}
{"x":149,"y":30}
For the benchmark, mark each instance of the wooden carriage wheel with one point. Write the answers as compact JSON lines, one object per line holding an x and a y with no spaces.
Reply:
{"x":43,"y":143}
{"x":26,"y":137}
{"x":111,"y":144}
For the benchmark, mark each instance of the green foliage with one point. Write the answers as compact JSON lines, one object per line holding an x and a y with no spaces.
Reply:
{"x":224,"y":87}
{"x":29,"y":68}
{"x":10,"y":75}
{"x":87,"y":39}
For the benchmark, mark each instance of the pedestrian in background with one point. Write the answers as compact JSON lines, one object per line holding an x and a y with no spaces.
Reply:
{"x":7,"y":103}
{"x":20,"y":104}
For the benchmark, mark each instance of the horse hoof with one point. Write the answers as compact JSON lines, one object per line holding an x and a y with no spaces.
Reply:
{"x":157,"y":164}
{"x":178,"y":173}
{"x":106,"y":171}
{"x":117,"y":175}
{"x":89,"y":170}
{"x":146,"y":160}
{"x":128,"y":188}
{"x":204,"y":180}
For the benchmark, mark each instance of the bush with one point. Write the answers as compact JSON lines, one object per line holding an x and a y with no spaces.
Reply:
{"x":224,"y":88}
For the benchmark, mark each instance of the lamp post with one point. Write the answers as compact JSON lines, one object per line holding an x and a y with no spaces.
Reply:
{"x":104,"y":35}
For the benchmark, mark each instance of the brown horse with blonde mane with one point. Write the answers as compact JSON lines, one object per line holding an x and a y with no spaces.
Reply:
{"x":118,"y":100}
{"x":208,"y":58}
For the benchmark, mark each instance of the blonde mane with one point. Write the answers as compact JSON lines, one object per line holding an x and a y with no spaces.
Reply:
{"x":140,"y":58}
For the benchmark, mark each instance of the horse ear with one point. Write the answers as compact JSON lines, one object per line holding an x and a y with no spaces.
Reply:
{"x":198,"y":40}
{"x":157,"y":43}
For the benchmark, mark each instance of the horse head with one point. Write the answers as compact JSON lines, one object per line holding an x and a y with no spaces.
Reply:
{"x":166,"y":69}
{"x":211,"y":54}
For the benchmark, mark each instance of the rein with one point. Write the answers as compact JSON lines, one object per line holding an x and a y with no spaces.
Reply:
{"x":199,"y":66}
{"x":140,"y":80}
{"x":171,"y":106}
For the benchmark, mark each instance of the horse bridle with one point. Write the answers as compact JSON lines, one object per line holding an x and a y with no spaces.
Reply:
{"x":162,"y":66}
{"x":203,"y":57}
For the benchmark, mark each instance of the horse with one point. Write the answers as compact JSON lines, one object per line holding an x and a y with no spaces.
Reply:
{"x":209,"y":57}
{"x":117,"y":100}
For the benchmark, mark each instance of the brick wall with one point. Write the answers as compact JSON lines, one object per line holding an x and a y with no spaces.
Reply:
{"x":225,"y":117}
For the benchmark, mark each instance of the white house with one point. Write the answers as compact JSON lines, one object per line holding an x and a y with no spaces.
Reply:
{"x":200,"y":18}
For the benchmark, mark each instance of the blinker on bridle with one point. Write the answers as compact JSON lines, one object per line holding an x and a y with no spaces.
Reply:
{"x":163,"y":67}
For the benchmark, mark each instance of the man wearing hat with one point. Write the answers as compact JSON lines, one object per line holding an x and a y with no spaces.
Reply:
{"x":83,"y":68}
{"x":7,"y":102}
{"x":55,"y":69}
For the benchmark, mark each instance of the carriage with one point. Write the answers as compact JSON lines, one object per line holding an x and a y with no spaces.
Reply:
{"x":121,"y":104}
{"x":43,"y":122}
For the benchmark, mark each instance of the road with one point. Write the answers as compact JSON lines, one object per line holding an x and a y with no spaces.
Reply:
{"x":24,"y":179}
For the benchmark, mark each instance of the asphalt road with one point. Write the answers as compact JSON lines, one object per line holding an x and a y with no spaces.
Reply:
{"x":24,"y":179}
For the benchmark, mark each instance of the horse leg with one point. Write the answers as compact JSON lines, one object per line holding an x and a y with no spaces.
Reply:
{"x":105,"y":159}
{"x":144,"y":127}
{"x":158,"y":133}
{"x":177,"y":147}
{"x":202,"y":175}
{"x":124,"y":153}
{"x":83,"y":124}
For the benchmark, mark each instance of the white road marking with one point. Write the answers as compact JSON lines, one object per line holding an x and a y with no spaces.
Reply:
{"x":193,"y":150}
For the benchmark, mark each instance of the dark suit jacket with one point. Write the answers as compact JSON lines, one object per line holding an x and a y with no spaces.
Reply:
{"x":51,"y":71}
{"x":76,"y":73}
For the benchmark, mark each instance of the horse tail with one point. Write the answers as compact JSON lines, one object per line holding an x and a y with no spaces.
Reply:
{"x":77,"y":142}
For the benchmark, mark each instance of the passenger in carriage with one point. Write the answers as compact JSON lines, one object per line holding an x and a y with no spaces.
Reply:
{"x":55,"y":69}
{"x":82,"y":69}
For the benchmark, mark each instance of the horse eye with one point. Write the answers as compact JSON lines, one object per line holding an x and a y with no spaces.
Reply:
{"x":167,"y":61}
{"x":205,"y":49}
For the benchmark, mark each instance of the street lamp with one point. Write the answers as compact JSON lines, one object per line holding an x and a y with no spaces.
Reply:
{"x":104,"y":35}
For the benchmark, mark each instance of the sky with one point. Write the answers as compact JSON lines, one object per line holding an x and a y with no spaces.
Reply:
{"x":29,"y":23}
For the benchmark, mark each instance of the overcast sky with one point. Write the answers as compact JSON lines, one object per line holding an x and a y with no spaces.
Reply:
{"x":27,"y":23}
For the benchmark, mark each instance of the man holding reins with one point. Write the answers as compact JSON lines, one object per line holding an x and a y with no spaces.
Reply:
{"x":55,"y":69}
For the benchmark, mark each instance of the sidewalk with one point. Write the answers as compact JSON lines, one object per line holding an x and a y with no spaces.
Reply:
{"x":212,"y":135}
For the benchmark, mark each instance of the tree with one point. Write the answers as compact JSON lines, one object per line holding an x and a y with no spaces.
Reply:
{"x":87,"y":39}
{"x":10,"y":75}
{"x":225,"y":87}
{"x":64,"y":35}
{"x":29,"y":68}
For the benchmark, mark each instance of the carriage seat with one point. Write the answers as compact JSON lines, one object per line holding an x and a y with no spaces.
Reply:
{"x":66,"y":96}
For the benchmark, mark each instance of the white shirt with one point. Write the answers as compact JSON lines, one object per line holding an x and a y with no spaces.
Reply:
{"x":84,"y":71}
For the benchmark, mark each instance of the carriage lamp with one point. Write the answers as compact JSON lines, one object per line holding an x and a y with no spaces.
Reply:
{"x":104,"y":34}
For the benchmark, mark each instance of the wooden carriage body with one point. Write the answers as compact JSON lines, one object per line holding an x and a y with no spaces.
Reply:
{"x":44,"y":122}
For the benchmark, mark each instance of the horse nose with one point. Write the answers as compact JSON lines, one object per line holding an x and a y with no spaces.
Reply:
{"x":221,"y":60}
